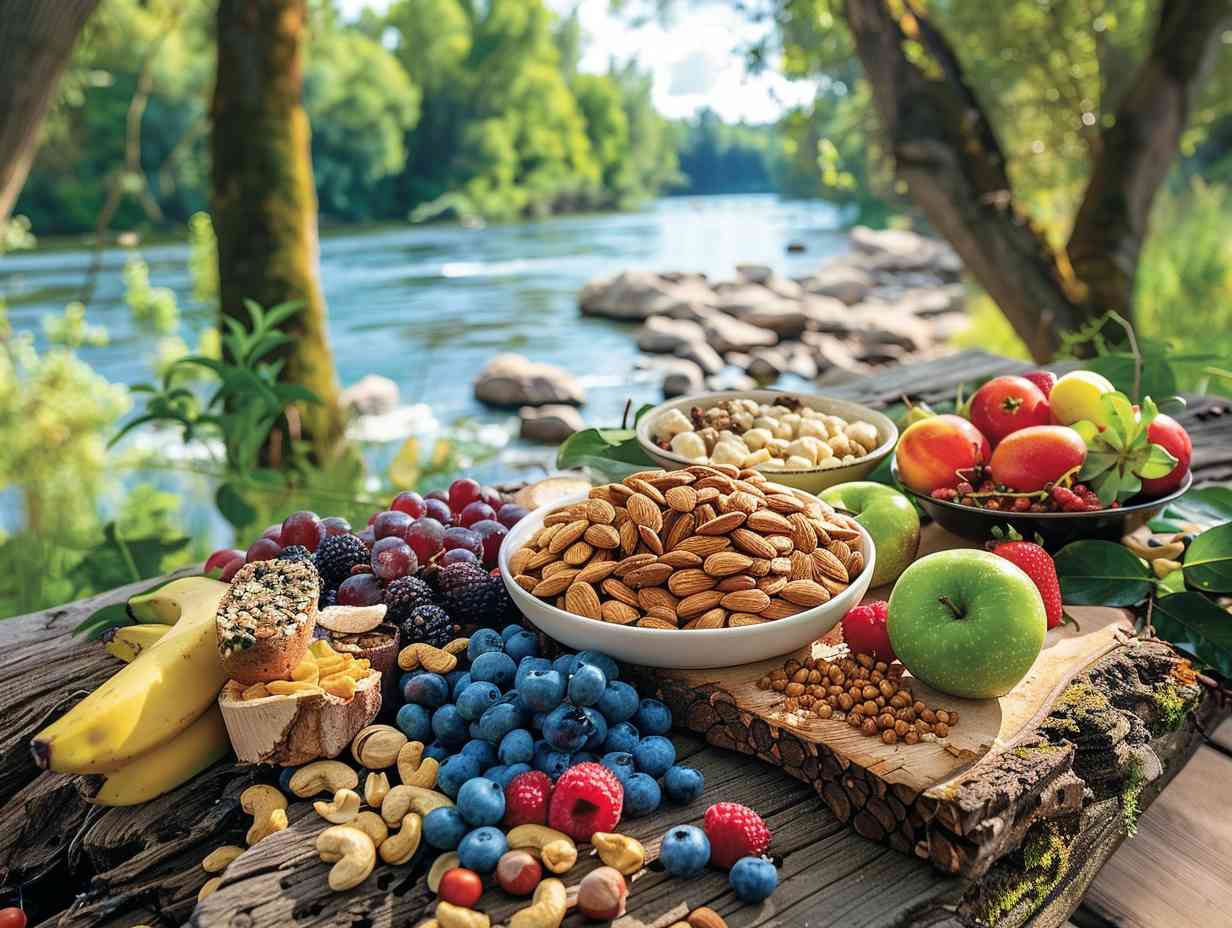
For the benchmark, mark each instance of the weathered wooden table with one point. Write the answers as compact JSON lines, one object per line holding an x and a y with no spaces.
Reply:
{"x":84,"y":866}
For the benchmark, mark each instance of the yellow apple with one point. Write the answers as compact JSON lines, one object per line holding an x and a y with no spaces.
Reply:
{"x":1076,"y":396}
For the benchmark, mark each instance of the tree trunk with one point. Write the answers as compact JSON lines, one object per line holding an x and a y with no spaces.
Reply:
{"x":263,"y":201}
{"x":36,"y":41}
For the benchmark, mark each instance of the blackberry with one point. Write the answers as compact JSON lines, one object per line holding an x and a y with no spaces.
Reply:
{"x":329,"y":597}
{"x":404,"y":595}
{"x":472,"y":595}
{"x":430,"y":624}
{"x":295,"y":553}
{"x":337,"y":554}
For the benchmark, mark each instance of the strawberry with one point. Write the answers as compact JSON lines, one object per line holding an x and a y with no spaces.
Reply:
{"x":1037,"y":564}
{"x":587,"y":798}
{"x":526,"y":799}
{"x":734,"y":831}
{"x":1045,"y":380}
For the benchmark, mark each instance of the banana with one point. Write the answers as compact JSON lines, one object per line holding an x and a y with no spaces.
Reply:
{"x":128,"y":641}
{"x":170,"y":764}
{"x":166,"y":604}
{"x":148,"y":702}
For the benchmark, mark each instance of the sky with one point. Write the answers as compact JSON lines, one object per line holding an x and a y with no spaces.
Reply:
{"x":696,"y":57}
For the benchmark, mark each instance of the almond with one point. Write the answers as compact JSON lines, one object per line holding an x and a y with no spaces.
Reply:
{"x":771,"y":585}
{"x":805,"y":593}
{"x":568,"y":535}
{"x":619,"y":493}
{"x":737,"y":582}
{"x":745,"y":601}
{"x":721,"y":525}
{"x":705,"y":917}
{"x":707,"y":495}
{"x":603,"y":492}
{"x":596,"y":571}
{"x":741,"y":619}
{"x":577,"y":553}
{"x":783,"y":544}
{"x":650,"y":575}
{"x":552,"y":585}
{"x":542,"y":537}
{"x":662,"y":612}
{"x":633,"y":562}
{"x":650,"y":539}
{"x":830,"y":566}
{"x":647,"y":489}
{"x":619,"y":613}
{"x":840,"y":549}
{"x":726,"y":563}
{"x":653,"y":473}
{"x":802,"y":535}
{"x":842,"y":532}
{"x":704,"y":513}
{"x":629,"y":537}
{"x":682,"y":527}
{"x":701,"y":470}
{"x":780,"y":609}
{"x":602,"y":535}
{"x":676,"y":478}
{"x":760,"y":567}
{"x":712,"y":618}
{"x":819,"y":529}
{"x":617,"y":590}
{"x":654,"y":622}
{"x":833,"y":587}
{"x":517,"y":560}
{"x":652,"y":596}
{"x":741,"y":501}
{"x":801,"y":566}
{"x":643,"y":511}
{"x":559,"y":517}
{"x":682,"y":498}
{"x":769,"y":523}
{"x":784,"y":502}
{"x":855,"y":564}
{"x":581,"y":599}
{"x":780,"y":565}
{"x":750,"y":541}
{"x":679,"y":560}
{"x":703,"y":545}
{"x":748,"y":486}
{"x":526,"y":581}
{"x":600,"y":512}
{"x":557,"y":567}
{"x":689,"y":581}
{"x":718,"y":482}
{"x":698,"y":603}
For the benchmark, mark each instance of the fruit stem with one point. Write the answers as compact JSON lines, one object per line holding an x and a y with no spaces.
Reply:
{"x":959,"y":612}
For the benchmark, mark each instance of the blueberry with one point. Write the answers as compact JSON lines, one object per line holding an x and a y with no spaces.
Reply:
{"x":553,"y":763}
{"x":642,"y":795}
{"x":567,"y":728}
{"x":438,"y":752}
{"x":753,"y":879}
{"x":599,"y":723}
{"x":586,"y":685}
{"x":600,"y":660}
{"x":584,"y":757}
{"x":498,"y":722}
{"x":542,"y":690}
{"x":484,"y":753}
{"x":622,"y":736}
{"x":482,"y":848}
{"x":460,"y":683}
{"x":683,"y":784}
{"x":618,"y":702}
{"x":415,"y":722}
{"x":654,"y":755}
{"x":284,"y":778}
{"x":536,"y":720}
{"x":483,"y":641}
{"x":621,"y":764}
{"x":504,"y":775}
{"x":427,"y":689}
{"x":454,"y":772}
{"x":542,"y":750}
{"x":477,"y":699}
{"x":517,"y":747}
{"x":496,"y":774}
{"x":653,"y":718}
{"x":475,"y":731}
{"x":448,"y":726}
{"x":523,"y":644}
{"x":526,"y":665}
{"x":481,"y":801}
{"x":685,"y":851}
{"x":443,"y":828}
{"x":564,"y":664}
{"x":410,"y":675}
{"x":509,"y":631}
{"x":494,"y":667}
{"x":451,"y":678}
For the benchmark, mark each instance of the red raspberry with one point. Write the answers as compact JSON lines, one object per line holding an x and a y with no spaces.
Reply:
{"x":1045,"y":380}
{"x":526,"y":799}
{"x":864,"y":630}
{"x":734,"y":831}
{"x":587,"y":798}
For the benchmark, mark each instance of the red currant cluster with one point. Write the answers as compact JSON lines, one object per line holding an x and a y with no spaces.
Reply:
{"x":981,"y":492}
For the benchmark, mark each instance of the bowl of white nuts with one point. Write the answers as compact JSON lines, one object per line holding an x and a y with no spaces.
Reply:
{"x":803,"y":441}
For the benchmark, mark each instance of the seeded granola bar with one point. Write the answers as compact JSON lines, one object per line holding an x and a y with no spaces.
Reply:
{"x":265,"y":620}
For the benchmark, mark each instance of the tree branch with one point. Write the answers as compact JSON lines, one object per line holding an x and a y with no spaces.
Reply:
{"x":945,"y":149}
{"x":1136,"y":151}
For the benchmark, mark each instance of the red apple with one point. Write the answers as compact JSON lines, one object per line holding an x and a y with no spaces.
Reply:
{"x":1166,"y":431}
{"x":1028,"y":459}
{"x":932,"y":451}
{"x":1007,"y":404}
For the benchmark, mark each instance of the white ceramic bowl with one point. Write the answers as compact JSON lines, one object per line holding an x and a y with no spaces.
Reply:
{"x":664,"y":647}
{"x":812,"y":480}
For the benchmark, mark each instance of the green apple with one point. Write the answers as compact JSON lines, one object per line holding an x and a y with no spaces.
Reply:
{"x":890,"y":518}
{"x":966,"y":622}
{"x":1077,"y":396}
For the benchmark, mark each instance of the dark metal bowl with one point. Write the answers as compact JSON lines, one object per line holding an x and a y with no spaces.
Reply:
{"x":1056,"y":528}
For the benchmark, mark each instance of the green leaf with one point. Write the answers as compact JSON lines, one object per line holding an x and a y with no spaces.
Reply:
{"x":1101,"y":573}
{"x":1191,"y":622}
{"x":1206,"y":506}
{"x":1158,"y":462}
{"x":234,"y":508}
{"x":277,"y":315}
{"x":613,"y":453}
{"x":1096,"y":463}
{"x":641,"y":411}
{"x":1208,"y":562}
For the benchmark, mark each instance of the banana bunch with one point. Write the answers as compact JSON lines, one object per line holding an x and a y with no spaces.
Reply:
{"x":128,"y":641}
{"x":154,"y":724}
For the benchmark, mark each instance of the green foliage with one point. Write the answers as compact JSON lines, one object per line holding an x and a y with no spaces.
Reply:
{"x":1101,"y":573}
{"x":1120,"y":456}
{"x":1196,"y":625}
{"x":1131,"y":792}
{"x":1208,"y":561}
{"x":611,"y":454}
{"x":71,"y":330}
{"x":154,"y":308}
{"x":719,"y":158}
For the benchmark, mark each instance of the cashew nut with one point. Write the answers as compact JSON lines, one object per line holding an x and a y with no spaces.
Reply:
{"x":555,"y":848}
{"x":376,"y":786}
{"x":449,"y":915}
{"x":322,"y":776}
{"x":443,"y":863}
{"x":351,"y":852}
{"x":268,"y":808}
{"x":547,"y":907}
{"x":372,"y":825}
{"x":217,"y":860}
{"x":457,"y":646}
{"x":403,"y":799}
{"x":210,"y":885}
{"x":424,"y":655}
{"x":343,"y":808}
{"x":376,"y":747}
{"x":402,"y":844}
{"x":414,"y":768}
{"x":619,"y":851}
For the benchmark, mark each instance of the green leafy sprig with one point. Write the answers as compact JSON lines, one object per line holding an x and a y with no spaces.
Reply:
{"x":1120,"y":454}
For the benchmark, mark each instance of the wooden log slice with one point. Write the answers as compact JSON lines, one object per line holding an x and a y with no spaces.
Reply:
{"x":380,"y":648}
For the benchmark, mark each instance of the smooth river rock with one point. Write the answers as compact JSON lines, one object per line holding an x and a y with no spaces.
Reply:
{"x":513,"y":380}
{"x":549,"y":425}
{"x":371,"y":395}
{"x":663,"y":335}
{"x":841,"y":282}
{"x":638,"y":295}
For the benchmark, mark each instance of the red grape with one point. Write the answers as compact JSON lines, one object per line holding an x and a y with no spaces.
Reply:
{"x":462,"y":491}
{"x":274,"y":532}
{"x":458,"y":555}
{"x":12,"y":917}
{"x":263,"y":549}
{"x":492,"y":497}
{"x":391,"y":523}
{"x":366,"y":536}
{"x":476,"y":512}
{"x":439,"y":511}
{"x":220,"y":558}
{"x":511,"y":514}
{"x":336,"y":525}
{"x":360,"y":590}
{"x":410,"y":502}
{"x":230,"y":569}
{"x":491,"y":533}
{"x":425,"y":536}
{"x":393,"y":558}
{"x":459,"y":537}
{"x":302,"y":528}
{"x":438,"y":494}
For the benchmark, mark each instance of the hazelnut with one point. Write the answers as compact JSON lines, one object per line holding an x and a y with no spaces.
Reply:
{"x":869,"y":692}
{"x":814,"y":676}
{"x":918,"y":707}
{"x":855,"y":720}
{"x":887,"y":688}
{"x":845,"y":701}
{"x":824,"y":711}
{"x":943,"y":716}
{"x":870,"y":707}
{"x":835,"y":674}
{"x":864,"y":660}
{"x":888,"y":736}
{"x":794,"y":689}
{"x":941,"y":729}
{"x":601,"y":894}
{"x":885,"y":721}
{"x":928,"y":716}
{"x":518,"y":873}
{"x":912,"y":737}
{"x":881,"y":666}
{"x":869,"y":727}
{"x":800,"y":676}
{"x":780,"y":685}
{"x":901,"y":728}
{"x":953,"y":718}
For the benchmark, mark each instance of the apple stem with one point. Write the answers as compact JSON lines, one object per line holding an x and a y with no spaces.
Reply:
{"x":959,"y":612}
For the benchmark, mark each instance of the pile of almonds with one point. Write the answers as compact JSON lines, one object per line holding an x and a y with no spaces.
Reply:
{"x":711,"y":546}
{"x":869,"y":694}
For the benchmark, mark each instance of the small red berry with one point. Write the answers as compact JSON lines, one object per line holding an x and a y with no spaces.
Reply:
{"x":461,"y":887}
{"x":587,"y":798}
{"x":526,"y":799}
{"x":734,"y":831}
{"x":864,"y":630}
